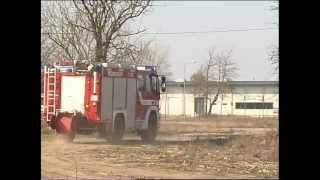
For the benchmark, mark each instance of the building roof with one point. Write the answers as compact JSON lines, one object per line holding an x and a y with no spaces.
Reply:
{"x":232,"y":83}
{"x":255,"y":87}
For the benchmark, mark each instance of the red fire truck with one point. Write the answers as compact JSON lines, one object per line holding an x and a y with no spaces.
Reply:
{"x":110,"y":99}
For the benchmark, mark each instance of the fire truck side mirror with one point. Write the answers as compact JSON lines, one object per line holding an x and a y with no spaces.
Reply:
{"x":163,"y":83}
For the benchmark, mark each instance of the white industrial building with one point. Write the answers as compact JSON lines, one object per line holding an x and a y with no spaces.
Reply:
{"x":245,"y":98}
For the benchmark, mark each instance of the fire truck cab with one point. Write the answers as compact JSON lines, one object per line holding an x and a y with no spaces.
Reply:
{"x":106,"y":98}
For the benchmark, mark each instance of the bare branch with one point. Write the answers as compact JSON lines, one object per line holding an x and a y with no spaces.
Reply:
{"x":95,"y":29}
{"x":219,"y":68}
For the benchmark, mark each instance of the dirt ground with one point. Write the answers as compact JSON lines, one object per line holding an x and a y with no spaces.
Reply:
{"x":217,"y":147}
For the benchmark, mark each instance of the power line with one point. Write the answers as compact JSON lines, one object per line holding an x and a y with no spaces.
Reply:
{"x":193,"y":32}
{"x":213,"y":31}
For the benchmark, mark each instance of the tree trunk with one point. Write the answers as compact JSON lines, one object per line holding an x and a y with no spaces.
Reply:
{"x":214,"y":100}
{"x":207,"y":91}
{"x":98,"y":52}
{"x":212,"y":103}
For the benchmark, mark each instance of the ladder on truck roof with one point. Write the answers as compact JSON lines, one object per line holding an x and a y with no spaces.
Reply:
{"x":50,"y":92}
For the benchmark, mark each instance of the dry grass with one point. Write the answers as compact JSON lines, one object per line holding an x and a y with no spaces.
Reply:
{"x":177,"y":124}
{"x":46,"y":131}
{"x":243,"y":156}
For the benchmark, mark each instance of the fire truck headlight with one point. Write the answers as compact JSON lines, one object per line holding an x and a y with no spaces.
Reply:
{"x":94,"y":103}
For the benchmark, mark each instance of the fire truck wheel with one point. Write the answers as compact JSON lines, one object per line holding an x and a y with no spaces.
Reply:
{"x":118,"y":131}
{"x":150,"y":134}
{"x":69,"y":137}
{"x":101,"y":133}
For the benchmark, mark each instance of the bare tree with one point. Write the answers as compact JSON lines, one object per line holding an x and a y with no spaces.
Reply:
{"x":47,"y":46}
{"x":97,"y":31}
{"x":275,"y":6}
{"x":222,"y":69}
{"x":152,"y":54}
{"x":92,"y":29}
{"x":274,"y":58}
{"x":274,"y":54}
{"x":72,"y":42}
{"x":47,"y":50}
{"x":142,"y":53}
{"x":105,"y":20}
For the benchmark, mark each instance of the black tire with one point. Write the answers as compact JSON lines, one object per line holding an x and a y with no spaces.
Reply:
{"x":118,"y":131}
{"x":69,"y":137}
{"x":149,"y":135}
{"x":101,"y":131}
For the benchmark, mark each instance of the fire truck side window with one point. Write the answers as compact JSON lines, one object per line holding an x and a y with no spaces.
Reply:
{"x":154,"y":84}
{"x":140,"y":83}
{"x":158,"y":85}
{"x":148,"y":84}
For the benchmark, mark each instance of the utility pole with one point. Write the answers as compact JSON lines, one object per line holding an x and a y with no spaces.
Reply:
{"x":207,"y":89}
{"x":207,"y":86}
{"x":184,"y":91}
{"x":165,"y":107}
{"x":231,"y":101}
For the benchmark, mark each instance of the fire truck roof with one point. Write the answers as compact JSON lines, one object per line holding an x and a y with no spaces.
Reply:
{"x":112,"y":65}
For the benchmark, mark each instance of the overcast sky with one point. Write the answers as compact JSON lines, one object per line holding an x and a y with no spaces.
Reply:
{"x":250,"y":48}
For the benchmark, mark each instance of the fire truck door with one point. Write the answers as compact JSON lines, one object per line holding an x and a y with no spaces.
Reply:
{"x":107,"y":98}
{"x":119,"y":94}
{"x":131,"y":102}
